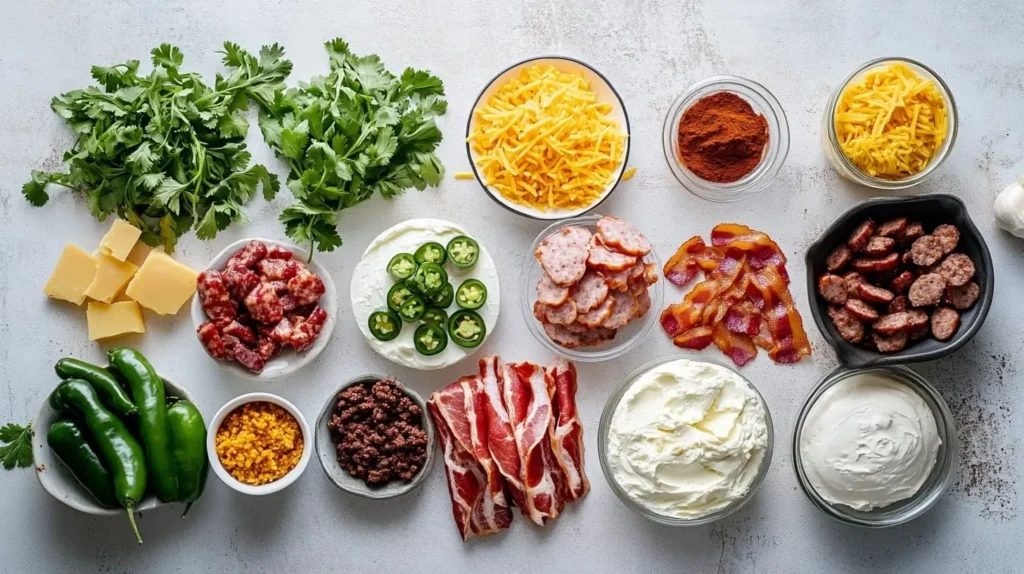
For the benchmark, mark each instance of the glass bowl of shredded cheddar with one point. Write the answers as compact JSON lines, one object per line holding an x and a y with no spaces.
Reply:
{"x":548,"y":138}
{"x":890,"y":124}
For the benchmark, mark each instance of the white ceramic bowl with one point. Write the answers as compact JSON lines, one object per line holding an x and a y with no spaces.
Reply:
{"x":270,"y":487}
{"x":58,"y":480}
{"x":287,"y":362}
{"x":371,"y":282}
{"x":326,"y":451}
{"x":605,"y":93}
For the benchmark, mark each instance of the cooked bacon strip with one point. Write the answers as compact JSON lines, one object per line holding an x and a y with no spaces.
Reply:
{"x":566,"y":429}
{"x":760,"y":249}
{"x":783,"y":320}
{"x":501,"y":441}
{"x":696,"y":338}
{"x":683,"y":316}
{"x":526,"y":398}
{"x":473,"y":507}
{"x":743,"y":317}
{"x":738,"y":347}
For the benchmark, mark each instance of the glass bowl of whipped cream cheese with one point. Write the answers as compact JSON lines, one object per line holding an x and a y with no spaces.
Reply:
{"x":685,"y":442}
{"x":875,"y":447}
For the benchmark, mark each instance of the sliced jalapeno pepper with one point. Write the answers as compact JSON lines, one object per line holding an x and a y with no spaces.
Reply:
{"x":430,"y":339}
{"x":402,"y":266}
{"x":385,"y":325}
{"x":463,"y":252}
{"x":435,"y":316}
{"x":467,"y":328}
{"x":444,"y":298}
{"x":429,"y":278}
{"x":413,"y":309}
{"x":397,"y":295}
{"x":472,"y":294}
{"x":431,"y":252}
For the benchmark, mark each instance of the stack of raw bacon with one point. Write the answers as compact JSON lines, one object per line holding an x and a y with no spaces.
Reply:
{"x":742,"y":303}
{"x":510,"y":436}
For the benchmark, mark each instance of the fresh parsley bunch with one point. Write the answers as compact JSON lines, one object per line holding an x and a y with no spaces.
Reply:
{"x":346,"y":136}
{"x":165,"y":151}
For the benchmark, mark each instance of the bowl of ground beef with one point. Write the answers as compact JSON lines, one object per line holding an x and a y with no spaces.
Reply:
{"x":374,"y":438}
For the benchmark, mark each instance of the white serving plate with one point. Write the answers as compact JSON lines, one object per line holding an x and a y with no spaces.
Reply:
{"x":287,"y":362}
{"x":56,"y":479}
{"x":370,"y":284}
{"x":605,"y":93}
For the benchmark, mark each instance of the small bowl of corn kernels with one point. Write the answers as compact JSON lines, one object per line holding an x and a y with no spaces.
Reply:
{"x":259,"y":443}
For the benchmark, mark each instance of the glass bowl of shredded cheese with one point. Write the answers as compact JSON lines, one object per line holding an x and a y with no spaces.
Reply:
{"x":890,"y":124}
{"x":548,"y":138}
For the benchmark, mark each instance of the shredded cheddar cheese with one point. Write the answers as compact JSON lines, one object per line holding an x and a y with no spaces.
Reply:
{"x":891,"y":122}
{"x":629,"y":173}
{"x":463,"y":175}
{"x":543,"y":140}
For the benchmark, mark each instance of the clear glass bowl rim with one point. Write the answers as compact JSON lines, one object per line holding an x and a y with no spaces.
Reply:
{"x":945,"y":464}
{"x":602,"y":447}
{"x":766,"y":171}
{"x":657,"y":293}
{"x":889,"y":184}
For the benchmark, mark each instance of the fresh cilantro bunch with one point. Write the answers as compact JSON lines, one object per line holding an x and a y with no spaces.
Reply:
{"x":17,"y":450}
{"x":346,"y":136}
{"x":165,"y":151}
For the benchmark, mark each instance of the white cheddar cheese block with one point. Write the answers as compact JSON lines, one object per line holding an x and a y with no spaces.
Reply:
{"x":72,"y":276}
{"x":114,"y":320}
{"x":162,"y":285}
{"x":120,"y":240}
{"x":141,"y":251}
{"x":111,"y":276}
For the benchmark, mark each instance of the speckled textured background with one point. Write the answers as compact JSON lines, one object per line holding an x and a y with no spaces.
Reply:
{"x":650,"y":50}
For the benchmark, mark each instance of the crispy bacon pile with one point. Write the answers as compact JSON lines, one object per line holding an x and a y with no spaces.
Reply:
{"x":510,"y":436}
{"x":742,"y":303}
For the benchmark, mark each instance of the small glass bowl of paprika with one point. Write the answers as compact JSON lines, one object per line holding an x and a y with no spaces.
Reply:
{"x":726,"y":138}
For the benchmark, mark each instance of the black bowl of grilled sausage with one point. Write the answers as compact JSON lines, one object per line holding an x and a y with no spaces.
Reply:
{"x":900,"y":280}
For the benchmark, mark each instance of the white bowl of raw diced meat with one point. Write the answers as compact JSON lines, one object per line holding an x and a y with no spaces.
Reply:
{"x":262,"y":310}
{"x":588,"y":292}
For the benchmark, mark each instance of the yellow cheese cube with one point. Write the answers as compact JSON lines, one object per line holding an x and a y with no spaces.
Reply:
{"x":111,"y":276}
{"x":141,"y":251}
{"x":72,"y":276}
{"x":162,"y":285}
{"x":119,"y":241}
{"x":114,"y":320}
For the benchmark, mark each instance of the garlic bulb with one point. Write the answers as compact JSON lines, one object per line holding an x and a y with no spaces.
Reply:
{"x":1009,"y":208}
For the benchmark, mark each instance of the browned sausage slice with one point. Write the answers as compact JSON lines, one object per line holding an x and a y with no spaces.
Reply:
{"x":898,"y":304}
{"x":926,"y":251}
{"x":893,"y":227}
{"x":869,"y":292}
{"x":927,"y":290}
{"x":890,"y":343}
{"x":853,"y":279}
{"x":957,"y":269}
{"x":860,"y":236}
{"x":876,"y":264}
{"x":900,"y":321}
{"x":963,"y":297}
{"x":913,"y":231}
{"x":949,"y":236}
{"x":878,"y":245}
{"x":902,"y":282}
{"x":861,"y":310}
{"x":850,"y":329}
{"x":839,"y":258}
{"x":606,"y":259}
{"x":945,"y":321}
{"x":833,"y":288}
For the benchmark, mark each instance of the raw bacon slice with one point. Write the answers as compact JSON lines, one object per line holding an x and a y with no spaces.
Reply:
{"x":566,"y":429}
{"x":501,"y":441}
{"x":529,"y":409}
{"x":477,"y":511}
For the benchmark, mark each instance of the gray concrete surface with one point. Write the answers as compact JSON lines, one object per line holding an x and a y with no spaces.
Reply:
{"x":650,"y":50}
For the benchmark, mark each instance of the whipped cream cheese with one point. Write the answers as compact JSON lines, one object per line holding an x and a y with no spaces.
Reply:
{"x":687,"y":439}
{"x":868,"y":441}
{"x":371,"y":282}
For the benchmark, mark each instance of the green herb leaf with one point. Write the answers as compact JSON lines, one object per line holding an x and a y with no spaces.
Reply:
{"x":17,"y":448}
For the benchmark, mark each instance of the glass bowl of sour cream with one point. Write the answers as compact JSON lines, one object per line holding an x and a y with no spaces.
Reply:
{"x":875,"y":447}
{"x":685,"y":442}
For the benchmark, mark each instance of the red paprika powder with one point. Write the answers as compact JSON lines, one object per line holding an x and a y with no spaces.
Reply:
{"x":721,"y":138}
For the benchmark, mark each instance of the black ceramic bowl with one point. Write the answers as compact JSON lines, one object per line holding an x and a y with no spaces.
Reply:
{"x":931,"y":210}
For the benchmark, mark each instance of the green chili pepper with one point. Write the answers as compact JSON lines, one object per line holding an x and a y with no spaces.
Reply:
{"x":467,"y":328}
{"x":385,"y":325}
{"x":102,"y":380}
{"x":148,"y":390}
{"x":430,"y":278}
{"x":443,"y":299}
{"x":70,"y":442}
{"x":397,"y":295}
{"x":402,"y":266}
{"x":412,"y":309}
{"x":463,"y":252}
{"x":472,"y":294}
{"x":430,"y":339}
{"x":114,"y":441}
{"x":188,"y":450}
{"x":435,"y":316}
{"x":431,"y":252}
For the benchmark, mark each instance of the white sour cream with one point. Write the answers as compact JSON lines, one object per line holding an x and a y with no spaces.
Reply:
{"x":868,"y":441}
{"x":687,"y":439}
{"x":371,"y":282}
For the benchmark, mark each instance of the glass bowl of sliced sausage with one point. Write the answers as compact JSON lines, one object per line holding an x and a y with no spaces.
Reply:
{"x":900,"y":280}
{"x":589,"y":287}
